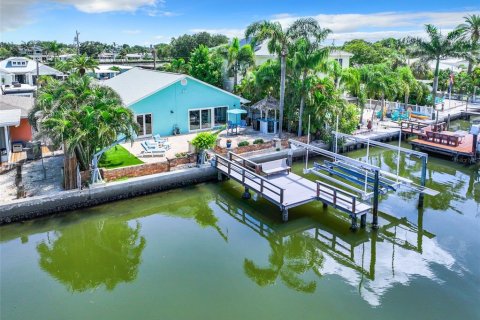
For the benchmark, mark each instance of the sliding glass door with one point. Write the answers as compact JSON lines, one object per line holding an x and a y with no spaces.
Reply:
{"x":208,"y":118}
{"x":145,"y":124}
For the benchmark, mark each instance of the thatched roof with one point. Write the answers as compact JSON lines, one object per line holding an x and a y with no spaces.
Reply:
{"x":269,"y":103}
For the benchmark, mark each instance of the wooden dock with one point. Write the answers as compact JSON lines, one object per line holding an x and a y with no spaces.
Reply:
{"x":288,"y":190}
{"x":462,"y":152}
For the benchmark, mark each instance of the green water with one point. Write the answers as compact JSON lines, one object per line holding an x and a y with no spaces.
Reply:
{"x":203,"y":253}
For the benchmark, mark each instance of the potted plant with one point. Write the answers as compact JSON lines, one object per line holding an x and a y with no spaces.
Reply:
{"x":202,"y":142}
{"x":229,"y":143}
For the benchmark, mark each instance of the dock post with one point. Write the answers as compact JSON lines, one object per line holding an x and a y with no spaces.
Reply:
{"x":363,"y":220}
{"x":285,"y":214}
{"x":448,"y":121}
{"x":423,"y":179}
{"x":354,"y":225}
{"x":325,"y":205}
{"x":219,"y":176}
{"x":375,"y":201}
{"x":246,"y":194}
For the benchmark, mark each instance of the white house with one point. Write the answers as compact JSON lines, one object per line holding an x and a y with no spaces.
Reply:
{"x":24,"y":71}
{"x":262,"y":55}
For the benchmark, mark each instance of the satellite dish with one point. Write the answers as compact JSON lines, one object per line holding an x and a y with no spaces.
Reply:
{"x":184,"y":82}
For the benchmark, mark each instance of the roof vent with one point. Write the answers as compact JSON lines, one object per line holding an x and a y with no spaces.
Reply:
{"x":184,"y":82}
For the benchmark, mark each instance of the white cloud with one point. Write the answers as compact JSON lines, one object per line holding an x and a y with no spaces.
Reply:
{"x":136,"y":31}
{"x":159,"y":37}
{"x":231,"y":33}
{"x":382,"y":20}
{"x":16,"y":13}
{"x":100,"y":6}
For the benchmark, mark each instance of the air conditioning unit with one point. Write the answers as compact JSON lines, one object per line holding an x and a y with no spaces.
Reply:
{"x":17,"y":147}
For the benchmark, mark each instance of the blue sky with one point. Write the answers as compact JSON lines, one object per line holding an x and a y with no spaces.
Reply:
{"x":152,"y":21}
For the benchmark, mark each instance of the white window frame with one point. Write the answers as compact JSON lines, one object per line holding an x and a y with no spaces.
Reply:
{"x":144,"y":114}
{"x":212,"y":117}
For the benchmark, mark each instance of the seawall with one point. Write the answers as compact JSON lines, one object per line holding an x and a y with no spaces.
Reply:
{"x":34,"y":207}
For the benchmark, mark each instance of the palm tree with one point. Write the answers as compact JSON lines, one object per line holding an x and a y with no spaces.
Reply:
{"x":53,"y":47}
{"x":438,"y":47}
{"x":407,"y":81}
{"x":82,"y":116}
{"x":279,"y":42}
{"x":238,"y":58}
{"x":471,"y":32}
{"x":306,"y":59}
{"x":351,"y":81}
{"x":308,"y":54}
{"x":82,"y":63}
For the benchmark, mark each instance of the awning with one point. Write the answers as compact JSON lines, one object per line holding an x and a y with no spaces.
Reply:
{"x":10,"y":118}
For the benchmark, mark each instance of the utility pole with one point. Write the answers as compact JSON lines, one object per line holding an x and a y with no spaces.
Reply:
{"x":154,"y":54}
{"x":76,"y":39}
{"x":114,"y":46}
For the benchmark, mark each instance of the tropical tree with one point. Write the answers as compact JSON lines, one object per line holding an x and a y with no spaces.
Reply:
{"x":177,"y":65}
{"x":351,"y":81}
{"x":83,"y":63}
{"x":421,"y":70}
{"x":407,"y":81}
{"x":279,"y":42}
{"x":438,"y":47}
{"x":206,"y":66}
{"x":308,"y":55}
{"x":306,"y":60}
{"x":239,"y":59}
{"x":53,"y":47}
{"x":82,"y":116}
{"x":471,"y":32}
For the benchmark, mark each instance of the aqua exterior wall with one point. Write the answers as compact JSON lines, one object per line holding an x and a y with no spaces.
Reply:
{"x":170,"y":106}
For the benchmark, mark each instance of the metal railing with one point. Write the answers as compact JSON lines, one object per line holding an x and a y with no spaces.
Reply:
{"x":337,"y":194}
{"x":246,"y":163}
{"x":249,"y":178}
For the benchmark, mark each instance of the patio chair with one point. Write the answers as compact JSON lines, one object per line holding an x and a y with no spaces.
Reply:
{"x":231,"y":126}
{"x":159,"y":139}
{"x":152,"y":151}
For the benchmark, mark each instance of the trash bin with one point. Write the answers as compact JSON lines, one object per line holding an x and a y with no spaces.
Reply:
{"x":34,"y":150}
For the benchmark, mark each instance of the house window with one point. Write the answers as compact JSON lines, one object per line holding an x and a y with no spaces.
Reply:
{"x":220,"y":116}
{"x":340,"y":61}
{"x":145,"y":124}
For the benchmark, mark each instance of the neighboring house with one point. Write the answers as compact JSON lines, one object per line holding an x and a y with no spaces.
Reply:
{"x":106,"y":57}
{"x":162,"y":101}
{"x":452,"y":64}
{"x":67,"y":56}
{"x":14,"y":125}
{"x":105,"y":72}
{"x":135,"y":56}
{"x":24,"y":71}
{"x":262,"y":55}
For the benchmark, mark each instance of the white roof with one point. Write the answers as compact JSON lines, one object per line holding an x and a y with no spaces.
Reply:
{"x":30,"y":67}
{"x":138,"y":83}
{"x":10,"y":117}
{"x":10,"y":102}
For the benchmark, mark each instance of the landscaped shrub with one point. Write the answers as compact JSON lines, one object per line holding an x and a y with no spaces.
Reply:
{"x":258,"y":141}
{"x":181,"y":154}
{"x":204,"y":141}
{"x":243,"y":143}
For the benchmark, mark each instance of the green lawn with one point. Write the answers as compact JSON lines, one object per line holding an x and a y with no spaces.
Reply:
{"x":117,"y":157}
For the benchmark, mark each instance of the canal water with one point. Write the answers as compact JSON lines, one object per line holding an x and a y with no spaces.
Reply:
{"x":203,"y":253}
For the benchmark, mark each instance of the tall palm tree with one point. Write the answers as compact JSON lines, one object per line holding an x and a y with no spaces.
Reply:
{"x":238,"y":58}
{"x":308,"y":54}
{"x":81,"y":63}
{"x":352,"y":82}
{"x":306,"y":59}
{"x":438,"y":47}
{"x":471,"y":32}
{"x":279,"y":42}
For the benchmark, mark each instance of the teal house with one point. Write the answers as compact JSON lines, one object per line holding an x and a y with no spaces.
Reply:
{"x":163,"y":101}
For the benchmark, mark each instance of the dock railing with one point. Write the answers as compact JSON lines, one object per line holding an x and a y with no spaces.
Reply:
{"x":412,"y":125}
{"x":337,"y":194}
{"x":246,"y":163}
{"x":250,"y":179}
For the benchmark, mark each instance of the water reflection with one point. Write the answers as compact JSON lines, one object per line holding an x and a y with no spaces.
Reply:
{"x":92,"y":254}
{"x":372,"y":262}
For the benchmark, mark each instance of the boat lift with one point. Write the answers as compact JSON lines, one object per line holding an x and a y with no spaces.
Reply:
{"x":374,"y":180}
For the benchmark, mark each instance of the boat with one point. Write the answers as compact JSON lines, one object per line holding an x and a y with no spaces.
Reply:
{"x":419,"y":115}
